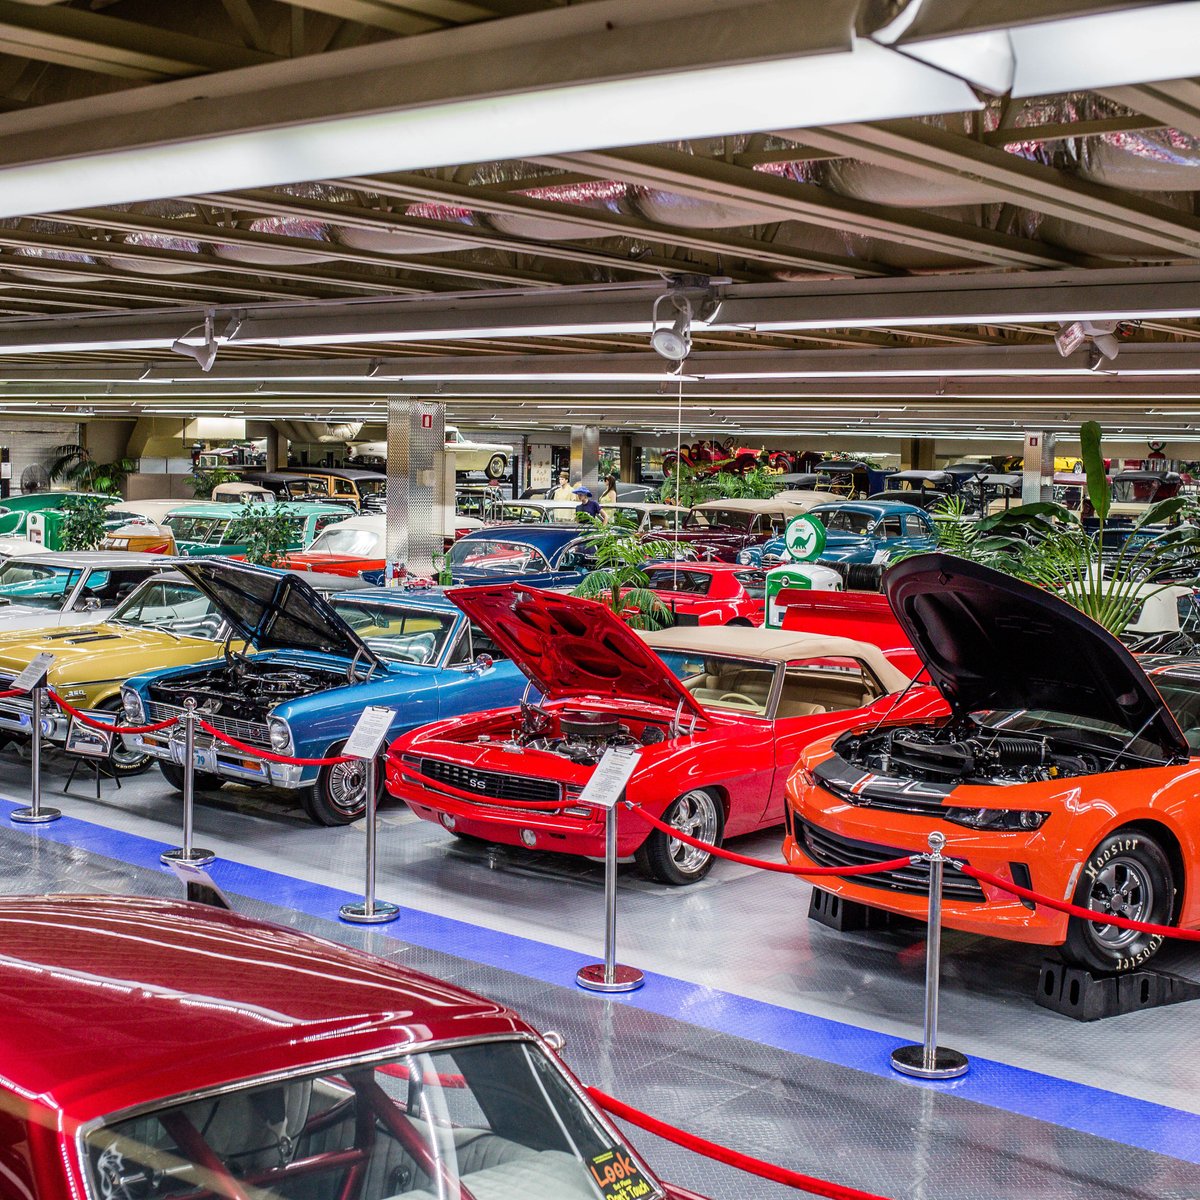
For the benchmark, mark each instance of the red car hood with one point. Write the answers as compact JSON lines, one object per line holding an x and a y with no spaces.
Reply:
{"x":571,"y":647}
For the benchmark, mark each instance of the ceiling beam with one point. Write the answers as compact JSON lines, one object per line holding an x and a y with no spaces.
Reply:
{"x":1174,"y":102}
{"x":785,"y":200}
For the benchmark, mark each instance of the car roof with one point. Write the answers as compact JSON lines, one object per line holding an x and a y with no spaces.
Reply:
{"x":352,"y":473}
{"x":541,"y":536}
{"x":880,"y":508}
{"x":376,"y":522}
{"x":430,"y":598}
{"x":775,"y":646}
{"x":227,"y":512}
{"x":94,"y":558}
{"x":134,"y":974}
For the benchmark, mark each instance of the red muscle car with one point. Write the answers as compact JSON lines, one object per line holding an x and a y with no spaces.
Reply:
{"x":710,"y":593}
{"x":155,"y":1050}
{"x":719,"y":716}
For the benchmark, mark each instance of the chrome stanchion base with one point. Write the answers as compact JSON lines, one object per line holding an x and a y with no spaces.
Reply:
{"x":28,"y":816}
{"x":196,"y":856}
{"x":381,"y":913}
{"x":625,"y":979}
{"x":947,"y":1063}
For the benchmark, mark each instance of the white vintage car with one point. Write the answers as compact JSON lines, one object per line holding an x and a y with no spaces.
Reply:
{"x":492,"y":458}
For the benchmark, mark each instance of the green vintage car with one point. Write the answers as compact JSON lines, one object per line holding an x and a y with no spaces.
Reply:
{"x":36,"y":516}
{"x":200,"y":530}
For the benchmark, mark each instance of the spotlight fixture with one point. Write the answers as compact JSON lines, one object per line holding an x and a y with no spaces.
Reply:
{"x":1100,"y":334}
{"x":672,"y":341}
{"x":205,"y":353}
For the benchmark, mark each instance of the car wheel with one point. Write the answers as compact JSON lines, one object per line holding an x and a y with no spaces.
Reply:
{"x":741,"y":622}
{"x":1127,"y":874}
{"x":495,"y":467}
{"x":665,"y":859}
{"x":121,"y":759}
{"x":339,"y":795}
{"x":173,"y":773}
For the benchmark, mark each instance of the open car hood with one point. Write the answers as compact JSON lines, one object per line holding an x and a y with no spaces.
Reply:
{"x":572,"y":647}
{"x":990,"y":641}
{"x":273,"y":611}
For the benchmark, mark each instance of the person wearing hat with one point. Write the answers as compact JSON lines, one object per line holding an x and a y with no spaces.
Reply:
{"x":562,"y":494}
{"x":587,"y":505}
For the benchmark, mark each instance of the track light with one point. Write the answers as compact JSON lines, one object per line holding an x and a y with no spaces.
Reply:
{"x":205,"y":354}
{"x":674,"y":341}
{"x":1107,"y":344}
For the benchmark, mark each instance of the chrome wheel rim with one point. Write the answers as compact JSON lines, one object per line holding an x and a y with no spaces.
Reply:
{"x":694,"y":813}
{"x":347,"y":787}
{"x":1123,"y":888}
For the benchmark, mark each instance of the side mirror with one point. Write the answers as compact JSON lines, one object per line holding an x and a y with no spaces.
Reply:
{"x":554,"y":1040}
{"x":90,"y":604}
{"x":483,"y":662}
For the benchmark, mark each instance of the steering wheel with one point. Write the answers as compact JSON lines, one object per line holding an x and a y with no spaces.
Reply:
{"x":740,"y":699}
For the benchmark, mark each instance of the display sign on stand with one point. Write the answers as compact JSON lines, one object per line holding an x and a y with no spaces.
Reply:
{"x":369,"y":731}
{"x":89,"y":742}
{"x":34,"y":674}
{"x":364,"y":742}
{"x":609,"y":778}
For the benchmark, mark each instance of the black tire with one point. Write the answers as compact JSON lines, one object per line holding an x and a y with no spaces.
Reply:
{"x":173,"y":773}
{"x":121,"y":760}
{"x":740,"y":622}
{"x":338,"y":797}
{"x":1127,"y":874}
{"x":666,"y":860}
{"x":496,"y":466}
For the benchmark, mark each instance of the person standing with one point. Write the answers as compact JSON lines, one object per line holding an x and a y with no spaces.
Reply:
{"x":587,"y":505}
{"x":609,"y":495}
{"x":563,"y":494}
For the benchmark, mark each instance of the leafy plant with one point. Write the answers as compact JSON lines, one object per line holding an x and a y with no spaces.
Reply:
{"x":82,"y":525}
{"x":202,"y":482}
{"x":687,"y":486}
{"x":619,"y":580}
{"x":75,"y":464}
{"x":267,"y":533}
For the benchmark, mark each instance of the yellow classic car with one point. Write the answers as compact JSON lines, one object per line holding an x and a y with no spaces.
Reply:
{"x":167,"y":622}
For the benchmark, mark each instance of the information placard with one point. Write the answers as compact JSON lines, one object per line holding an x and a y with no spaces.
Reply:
{"x":90,"y":742}
{"x":369,"y":731}
{"x":34,"y":674}
{"x":611,"y":775}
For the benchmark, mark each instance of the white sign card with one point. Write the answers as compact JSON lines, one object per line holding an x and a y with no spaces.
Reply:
{"x":610,"y":777}
{"x":369,"y":731}
{"x":34,"y":674}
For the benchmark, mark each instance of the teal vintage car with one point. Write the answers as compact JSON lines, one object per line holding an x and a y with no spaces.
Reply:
{"x":37,"y":518}
{"x":200,"y":530}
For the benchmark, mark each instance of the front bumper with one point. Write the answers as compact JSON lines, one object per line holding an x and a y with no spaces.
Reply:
{"x":213,"y":757}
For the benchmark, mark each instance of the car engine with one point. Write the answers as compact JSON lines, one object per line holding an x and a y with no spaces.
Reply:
{"x":964,"y":752}
{"x":582,"y":735}
{"x":244,"y":688}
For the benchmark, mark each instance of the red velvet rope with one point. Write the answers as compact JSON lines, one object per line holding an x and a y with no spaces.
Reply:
{"x":892,"y":864}
{"x":1075,"y":910}
{"x":436,"y":784}
{"x":270,"y":755}
{"x":12,"y":692}
{"x":84,"y":719}
{"x":733,"y":1158}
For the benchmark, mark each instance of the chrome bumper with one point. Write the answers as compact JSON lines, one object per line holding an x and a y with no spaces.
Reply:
{"x":216,"y":758}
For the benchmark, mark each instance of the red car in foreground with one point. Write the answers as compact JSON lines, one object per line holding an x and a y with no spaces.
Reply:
{"x":155,"y":1050}
{"x":719,"y":717}
{"x":710,"y":593}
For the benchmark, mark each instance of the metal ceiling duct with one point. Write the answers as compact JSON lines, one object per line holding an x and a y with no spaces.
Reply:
{"x":279,"y":256}
{"x":318,"y":432}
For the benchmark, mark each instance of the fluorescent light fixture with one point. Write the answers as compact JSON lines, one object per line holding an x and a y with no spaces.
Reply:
{"x":865,"y":83}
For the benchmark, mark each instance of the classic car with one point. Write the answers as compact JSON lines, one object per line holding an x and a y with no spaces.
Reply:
{"x":317,"y":664}
{"x":925,"y":489}
{"x":1062,"y":767}
{"x":364,"y":491}
{"x":243,"y":493}
{"x":312,"y":1069}
{"x":541,"y":555}
{"x":721,"y":528}
{"x":718,"y":716}
{"x":344,"y":548}
{"x":850,"y":479}
{"x":860,"y":533}
{"x":289,"y":484}
{"x":709,"y":593}
{"x":60,"y":588}
{"x":166,"y":621}
{"x":492,"y":458}
{"x":1133,"y":492}
{"x":36,"y":517}
{"x":210,"y":529}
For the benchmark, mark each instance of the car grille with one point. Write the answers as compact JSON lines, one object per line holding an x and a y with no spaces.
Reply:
{"x":245,"y":731}
{"x":905,"y":796}
{"x":829,"y":850}
{"x":491,"y":784}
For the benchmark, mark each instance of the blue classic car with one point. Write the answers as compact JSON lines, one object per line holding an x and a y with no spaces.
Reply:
{"x":318,"y":663}
{"x":535,"y":555}
{"x":857,"y":533}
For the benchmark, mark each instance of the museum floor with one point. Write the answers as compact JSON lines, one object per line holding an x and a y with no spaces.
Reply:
{"x":757,"y":1027}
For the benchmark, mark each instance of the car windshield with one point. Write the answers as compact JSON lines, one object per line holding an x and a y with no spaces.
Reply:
{"x":37,"y":586}
{"x":172,"y":606}
{"x":209,"y":530}
{"x":355,"y":543}
{"x":842,"y":520}
{"x":497,"y":554}
{"x":677,"y":579}
{"x":410,"y":635}
{"x":721,"y":518}
{"x":371,"y":487}
{"x":755,"y":583}
{"x":738,"y":684}
{"x":498,"y":1118}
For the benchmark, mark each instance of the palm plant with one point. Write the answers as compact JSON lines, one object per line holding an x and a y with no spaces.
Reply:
{"x":619,"y":580}
{"x":76,"y":465}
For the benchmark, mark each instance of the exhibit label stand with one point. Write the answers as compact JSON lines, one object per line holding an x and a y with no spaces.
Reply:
{"x":32,"y":680}
{"x":187,"y":853}
{"x":364,"y":742}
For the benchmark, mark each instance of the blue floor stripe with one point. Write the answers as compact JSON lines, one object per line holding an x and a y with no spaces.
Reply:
{"x":1123,"y":1119}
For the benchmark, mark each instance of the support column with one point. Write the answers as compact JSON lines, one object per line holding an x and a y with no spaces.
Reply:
{"x":916,"y":454}
{"x":629,"y":459}
{"x":277,"y":454}
{"x":1037,"y":474}
{"x":585,"y":455}
{"x":416,"y":485}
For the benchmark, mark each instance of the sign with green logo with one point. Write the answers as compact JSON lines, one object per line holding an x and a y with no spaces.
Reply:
{"x":804,"y":538}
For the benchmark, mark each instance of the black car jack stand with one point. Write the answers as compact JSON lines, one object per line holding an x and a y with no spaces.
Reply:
{"x":1077,"y":993}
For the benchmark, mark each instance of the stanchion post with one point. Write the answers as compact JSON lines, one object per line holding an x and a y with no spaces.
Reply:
{"x":35,"y":814}
{"x":610,"y":975}
{"x":188,"y":853}
{"x":370,"y":911}
{"x":929,"y":1060}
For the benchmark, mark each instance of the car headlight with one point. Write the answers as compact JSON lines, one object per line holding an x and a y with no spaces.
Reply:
{"x":131,"y":705}
{"x":744,"y":557}
{"x":1003,"y":820}
{"x":281,"y":735}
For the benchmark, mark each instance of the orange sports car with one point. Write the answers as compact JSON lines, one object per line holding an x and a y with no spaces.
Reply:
{"x":1065,"y":766}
